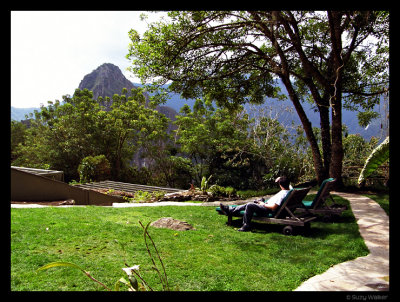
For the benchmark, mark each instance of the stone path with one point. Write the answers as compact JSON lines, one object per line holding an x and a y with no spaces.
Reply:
{"x":368,"y":273}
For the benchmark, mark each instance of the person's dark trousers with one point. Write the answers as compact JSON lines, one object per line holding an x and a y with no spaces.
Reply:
{"x":249,"y":210}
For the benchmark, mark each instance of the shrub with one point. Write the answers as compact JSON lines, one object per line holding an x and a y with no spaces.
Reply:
{"x":94,"y":168}
{"x":230,"y":191}
{"x":217,"y":190}
{"x":142,"y":196}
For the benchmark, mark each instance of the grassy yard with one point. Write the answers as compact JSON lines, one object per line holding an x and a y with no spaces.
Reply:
{"x":213,"y":257}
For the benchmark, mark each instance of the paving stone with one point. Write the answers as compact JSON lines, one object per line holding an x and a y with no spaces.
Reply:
{"x":368,"y":273}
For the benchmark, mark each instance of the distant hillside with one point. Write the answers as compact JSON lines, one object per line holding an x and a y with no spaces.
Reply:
{"x":18,"y":114}
{"x":107,"y":80}
{"x":286,"y":117}
{"x":176,"y":102}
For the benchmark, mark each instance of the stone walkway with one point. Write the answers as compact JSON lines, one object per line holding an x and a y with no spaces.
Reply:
{"x":368,"y":273}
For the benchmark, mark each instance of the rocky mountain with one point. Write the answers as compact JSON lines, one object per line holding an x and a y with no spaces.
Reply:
{"x":105,"y":80}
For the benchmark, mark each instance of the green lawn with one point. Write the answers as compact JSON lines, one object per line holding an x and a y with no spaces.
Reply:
{"x":214,"y":257}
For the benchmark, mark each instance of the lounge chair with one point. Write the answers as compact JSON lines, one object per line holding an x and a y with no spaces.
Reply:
{"x":285,"y":213}
{"x":320,"y":204}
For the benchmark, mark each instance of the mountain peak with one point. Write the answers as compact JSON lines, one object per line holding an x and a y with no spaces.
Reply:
{"x":105,"y":80}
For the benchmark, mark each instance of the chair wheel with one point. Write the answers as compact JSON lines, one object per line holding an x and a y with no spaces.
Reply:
{"x":287,"y":230}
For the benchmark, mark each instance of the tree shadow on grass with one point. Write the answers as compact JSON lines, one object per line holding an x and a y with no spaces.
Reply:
{"x":320,"y":228}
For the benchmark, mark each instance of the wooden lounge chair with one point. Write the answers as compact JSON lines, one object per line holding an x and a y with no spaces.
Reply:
{"x":320,"y":204}
{"x":285,"y":213}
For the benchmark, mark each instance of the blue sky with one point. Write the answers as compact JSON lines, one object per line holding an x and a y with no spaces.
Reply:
{"x":51,"y":51}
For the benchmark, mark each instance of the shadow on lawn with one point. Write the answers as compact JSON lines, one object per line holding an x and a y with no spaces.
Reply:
{"x":320,"y":227}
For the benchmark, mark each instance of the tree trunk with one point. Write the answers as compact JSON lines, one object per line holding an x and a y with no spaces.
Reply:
{"x":336,"y":164}
{"x":323,"y":108}
{"x":317,"y":160}
{"x":325,"y":139}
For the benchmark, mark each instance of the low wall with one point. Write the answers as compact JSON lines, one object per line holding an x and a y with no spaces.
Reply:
{"x":53,"y":174}
{"x":30,"y":187}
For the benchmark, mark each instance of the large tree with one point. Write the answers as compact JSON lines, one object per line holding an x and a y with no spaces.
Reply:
{"x":63,"y":134}
{"x":331,"y":59}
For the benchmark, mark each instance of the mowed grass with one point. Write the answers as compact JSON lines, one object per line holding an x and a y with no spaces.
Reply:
{"x":213,"y":257}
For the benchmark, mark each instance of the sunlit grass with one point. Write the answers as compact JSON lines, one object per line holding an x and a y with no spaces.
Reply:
{"x":213,"y":257}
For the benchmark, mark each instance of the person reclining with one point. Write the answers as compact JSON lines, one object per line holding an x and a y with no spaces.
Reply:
{"x":259,"y":207}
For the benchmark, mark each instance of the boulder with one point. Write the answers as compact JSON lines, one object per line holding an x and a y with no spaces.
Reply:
{"x":173,"y":224}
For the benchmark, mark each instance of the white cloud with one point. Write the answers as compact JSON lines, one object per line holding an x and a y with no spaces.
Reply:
{"x":51,"y":51}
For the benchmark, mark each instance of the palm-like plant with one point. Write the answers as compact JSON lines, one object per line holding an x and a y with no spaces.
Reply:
{"x":377,"y":157}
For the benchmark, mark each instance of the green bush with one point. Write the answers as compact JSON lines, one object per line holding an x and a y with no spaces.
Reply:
{"x":145,"y":196}
{"x":94,"y":168}
{"x":217,"y":190}
{"x":230,"y":191}
{"x":245,"y":194}
{"x":142,"y":196}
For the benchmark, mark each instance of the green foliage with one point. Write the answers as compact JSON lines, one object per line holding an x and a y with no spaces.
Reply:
{"x":378,"y":156}
{"x":236,"y":149}
{"x":18,"y":136}
{"x":245,"y":148}
{"x":205,"y":184}
{"x":223,"y":59}
{"x":356,"y":149}
{"x":242,"y":149}
{"x":142,"y":196}
{"x":365,"y":118}
{"x":245,"y":194}
{"x":94,"y":168}
{"x":62,"y":135}
{"x":208,"y":134}
{"x":217,"y":190}
{"x":145,"y":196}
{"x":167,"y":168}
{"x":234,"y":57}
{"x":230,"y":191}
